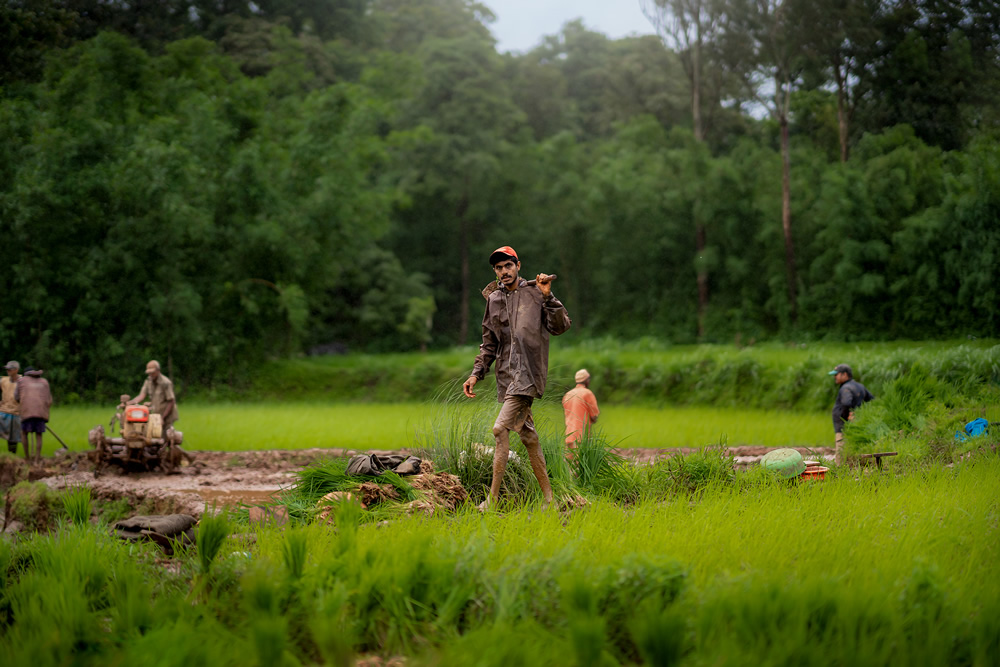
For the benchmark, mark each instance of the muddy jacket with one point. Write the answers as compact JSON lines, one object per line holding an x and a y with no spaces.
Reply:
{"x":852,"y":394}
{"x":34,"y":397}
{"x":516,"y":330}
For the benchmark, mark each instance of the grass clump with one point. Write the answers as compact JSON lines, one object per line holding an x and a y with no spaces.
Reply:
{"x":77,"y":504}
{"x":34,"y":504}
{"x":213,"y":529}
{"x":459,"y":439}
{"x":302,"y":498}
{"x":917,"y":414}
{"x":697,"y":471}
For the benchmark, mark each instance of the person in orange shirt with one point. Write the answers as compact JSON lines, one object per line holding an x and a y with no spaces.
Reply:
{"x":580,"y":406}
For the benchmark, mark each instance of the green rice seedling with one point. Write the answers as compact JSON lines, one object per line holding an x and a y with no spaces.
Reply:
{"x":862,"y":568}
{"x":659,"y":633}
{"x":54,"y":623}
{"x":77,"y":504}
{"x":694,"y":472}
{"x":322,"y":477}
{"x":213,"y":529}
{"x":332,"y":627}
{"x":264,"y":600}
{"x":294,"y":551}
{"x":57,"y":594}
{"x":526,"y":642}
{"x":189,"y":639}
{"x":586,"y":627}
{"x":599,"y":469}
{"x":318,"y":479}
{"x":131,"y":603}
{"x":639,"y":581}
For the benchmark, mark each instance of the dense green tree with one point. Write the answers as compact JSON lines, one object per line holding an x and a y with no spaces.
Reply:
{"x":338,"y":172}
{"x":835,"y":36}
{"x":453,"y":174}
{"x":935,"y":67}
{"x":177,"y":209}
{"x":761,"y":47}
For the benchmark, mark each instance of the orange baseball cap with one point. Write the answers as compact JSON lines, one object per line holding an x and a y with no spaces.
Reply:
{"x":502,"y":253}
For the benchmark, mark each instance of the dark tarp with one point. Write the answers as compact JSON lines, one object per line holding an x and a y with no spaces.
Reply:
{"x":376,"y":464}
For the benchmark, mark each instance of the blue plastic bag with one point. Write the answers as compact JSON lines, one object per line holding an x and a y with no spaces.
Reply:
{"x":973,"y":429}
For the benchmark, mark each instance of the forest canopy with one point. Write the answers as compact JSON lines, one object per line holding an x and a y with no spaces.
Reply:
{"x":214,"y":184}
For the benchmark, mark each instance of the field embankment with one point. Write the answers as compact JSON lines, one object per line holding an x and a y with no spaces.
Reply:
{"x":767,"y":376}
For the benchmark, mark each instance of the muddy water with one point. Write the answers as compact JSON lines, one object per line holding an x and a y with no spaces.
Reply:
{"x":251,"y":478}
{"x":230,"y":497}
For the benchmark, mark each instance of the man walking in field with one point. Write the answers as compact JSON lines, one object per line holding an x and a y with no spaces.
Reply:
{"x":10,"y":411}
{"x":851,"y":395}
{"x":160,"y":391}
{"x":34,"y":400}
{"x":581,"y":411}
{"x":516,"y":328}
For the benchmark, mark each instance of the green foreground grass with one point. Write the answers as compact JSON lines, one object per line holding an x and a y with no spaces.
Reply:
{"x":861,"y":569}
{"x":363,"y":426}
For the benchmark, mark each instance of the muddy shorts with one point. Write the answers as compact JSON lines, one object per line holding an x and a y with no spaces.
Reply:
{"x":33,"y":425}
{"x":515,"y":415}
{"x":10,"y":427}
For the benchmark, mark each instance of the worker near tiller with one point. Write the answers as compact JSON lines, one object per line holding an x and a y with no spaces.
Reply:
{"x":580,"y":409}
{"x":34,"y":398}
{"x":516,"y":328}
{"x":851,"y":395}
{"x":10,"y":411}
{"x":160,"y":391}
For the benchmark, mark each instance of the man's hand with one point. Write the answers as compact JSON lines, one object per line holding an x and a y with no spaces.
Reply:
{"x":469,"y":384}
{"x":543,"y":282}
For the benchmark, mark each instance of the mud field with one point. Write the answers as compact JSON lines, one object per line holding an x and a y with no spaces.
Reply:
{"x":252,"y":478}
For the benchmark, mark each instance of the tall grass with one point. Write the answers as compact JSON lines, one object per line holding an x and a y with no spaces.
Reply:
{"x":917,"y":414}
{"x":458,"y":437}
{"x":764,"y":376}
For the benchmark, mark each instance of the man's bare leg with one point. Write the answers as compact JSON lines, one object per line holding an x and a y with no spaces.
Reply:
{"x":500,"y":454}
{"x":26,"y":441}
{"x":538,"y":464}
{"x":38,"y":449}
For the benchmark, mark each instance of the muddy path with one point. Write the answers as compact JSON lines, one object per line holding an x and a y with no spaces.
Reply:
{"x":252,"y":478}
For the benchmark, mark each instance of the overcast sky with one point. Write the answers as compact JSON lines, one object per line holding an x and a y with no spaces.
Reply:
{"x":521,"y":24}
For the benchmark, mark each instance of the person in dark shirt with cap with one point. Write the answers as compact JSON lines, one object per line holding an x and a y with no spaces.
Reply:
{"x":851,"y":395}
{"x":516,"y":328}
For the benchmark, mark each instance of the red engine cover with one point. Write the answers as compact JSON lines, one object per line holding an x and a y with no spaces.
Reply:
{"x":137,"y":414}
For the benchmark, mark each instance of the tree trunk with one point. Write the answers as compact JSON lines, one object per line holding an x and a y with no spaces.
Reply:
{"x":463,"y":251}
{"x":699,"y":243}
{"x":786,"y":201}
{"x":841,"y":110}
{"x":699,"y":132}
{"x":699,"y":135}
